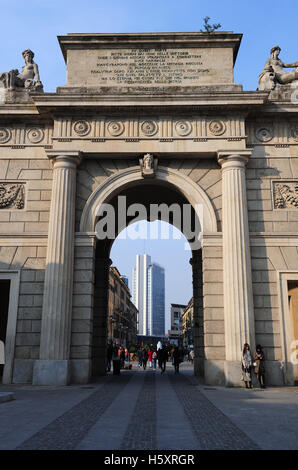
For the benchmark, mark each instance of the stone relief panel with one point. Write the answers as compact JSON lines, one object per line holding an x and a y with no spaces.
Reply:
{"x":279,"y":132}
{"x":12,"y":196}
{"x":142,"y":128}
{"x":28,"y":135}
{"x":285,"y":194}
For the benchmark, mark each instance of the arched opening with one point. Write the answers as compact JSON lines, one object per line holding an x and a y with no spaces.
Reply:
{"x":178,"y":195}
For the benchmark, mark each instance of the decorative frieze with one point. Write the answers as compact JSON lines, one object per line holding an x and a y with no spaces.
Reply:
{"x":12,"y":195}
{"x":277,"y":132}
{"x":285,"y":194}
{"x":82,"y":128}
{"x":217,"y":127}
{"x":5,"y":135}
{"x":162,"y":127}
{"x":264,"y":134}
{"x":35,"y":135}
{"x":28,"y":135}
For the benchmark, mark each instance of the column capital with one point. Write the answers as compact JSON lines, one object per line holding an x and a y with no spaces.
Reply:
{"x":65,"y":158}
{"x":233,"y":158}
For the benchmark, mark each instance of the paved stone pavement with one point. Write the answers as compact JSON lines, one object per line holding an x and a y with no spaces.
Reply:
{"x":148,"y":410}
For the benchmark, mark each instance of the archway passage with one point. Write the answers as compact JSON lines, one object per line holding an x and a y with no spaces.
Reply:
{"x":4,"y":305}
{"x":293,"y":310}
{"x":146,"y":193}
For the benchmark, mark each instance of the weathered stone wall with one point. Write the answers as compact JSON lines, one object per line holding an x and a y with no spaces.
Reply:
{"x":213,"y":313}
{"x":29,"y":257}
{"x":23,"y":245}
{"x":82,"y":312}
{"x":273,"y":161}
{"x":36,"y":174}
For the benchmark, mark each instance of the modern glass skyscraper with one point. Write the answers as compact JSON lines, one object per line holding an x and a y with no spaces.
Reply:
{"x":148,"y":295}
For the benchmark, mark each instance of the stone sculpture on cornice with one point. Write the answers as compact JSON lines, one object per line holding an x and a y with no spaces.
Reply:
{"x":28,"y":79}
{"x":274,"y":72}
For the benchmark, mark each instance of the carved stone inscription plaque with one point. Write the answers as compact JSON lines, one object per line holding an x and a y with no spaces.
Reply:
{"x":150,"y":67}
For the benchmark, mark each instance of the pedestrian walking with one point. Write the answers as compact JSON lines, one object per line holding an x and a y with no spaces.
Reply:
{"x":259,"y":365}
{"x":122,"y":358}
{"x":191,"y":356}
{"x":140,"y":357}
{"x":154,"y":359}
{"x":246,"y":364}
{"x":150,"y":352}
{"x":145,"y":358}
{"x":109,"y":356}
{"x":116,"y":360}
{"x":176,"y":359}
{"x":162,"y":356}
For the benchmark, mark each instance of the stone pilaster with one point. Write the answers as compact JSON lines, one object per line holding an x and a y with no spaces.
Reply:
{"x":53,"y":366}
{"x":238,"y":294}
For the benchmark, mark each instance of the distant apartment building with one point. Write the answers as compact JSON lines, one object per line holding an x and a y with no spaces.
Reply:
{"x":122,"y":313}
{"x":175,"y":333}
{"x":148,"y":295}
{"x":187,"y":324}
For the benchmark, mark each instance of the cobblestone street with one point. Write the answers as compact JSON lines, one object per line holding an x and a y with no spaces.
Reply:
{"x":148,"y":410}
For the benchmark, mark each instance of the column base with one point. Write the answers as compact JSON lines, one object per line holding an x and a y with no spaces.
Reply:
{"x":233,"y":374}
{"x":80,"y":371}
{"x":51,"y":372}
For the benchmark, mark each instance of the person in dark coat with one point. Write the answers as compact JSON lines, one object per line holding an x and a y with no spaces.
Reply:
{"x":162,"y":356}
{"x":109,"y":356}
{"x":122,"y":358}
{"x":145,"y":358}
{"x":140,"y":357}
{"x":259,"y":364}
{"x":176,"y":359}
{"x":116,"y":360}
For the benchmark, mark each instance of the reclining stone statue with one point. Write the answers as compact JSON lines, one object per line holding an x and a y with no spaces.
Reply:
{"x":274,"y":73}
{"x":29,"y":77}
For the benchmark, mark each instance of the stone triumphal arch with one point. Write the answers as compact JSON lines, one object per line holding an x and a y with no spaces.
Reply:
{"x":156,"y":118}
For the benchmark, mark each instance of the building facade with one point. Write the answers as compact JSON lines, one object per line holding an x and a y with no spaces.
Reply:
{"x":122,"y":313}
{"x":157,"y":118}
{"x":188,"y":325}
{"x":176,"y":331}
{"x":148,"y":294}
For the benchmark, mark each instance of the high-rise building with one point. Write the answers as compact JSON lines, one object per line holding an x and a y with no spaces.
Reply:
{"x":148,"y":295}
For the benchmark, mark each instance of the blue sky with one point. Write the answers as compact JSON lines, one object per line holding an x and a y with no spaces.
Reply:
{"x":35,"y":24}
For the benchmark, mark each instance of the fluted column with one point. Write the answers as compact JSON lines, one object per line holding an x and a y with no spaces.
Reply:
{"x":238,"y":294}
{"x":53,"y":366}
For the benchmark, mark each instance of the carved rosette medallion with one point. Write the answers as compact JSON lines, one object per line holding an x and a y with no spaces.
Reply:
{"x":5,"y":135}
{"x":217,"y":127}
{"x":149,"y":128}
{"x":115,"y":128}
{"x":294,"y":132}
{"x":285,"y":195}
{"x":12,"y":196}
{"x":264,"y":134}
{"x":82,"y":128}
{"x":183,"y":128}
{"x":35,"y":135}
